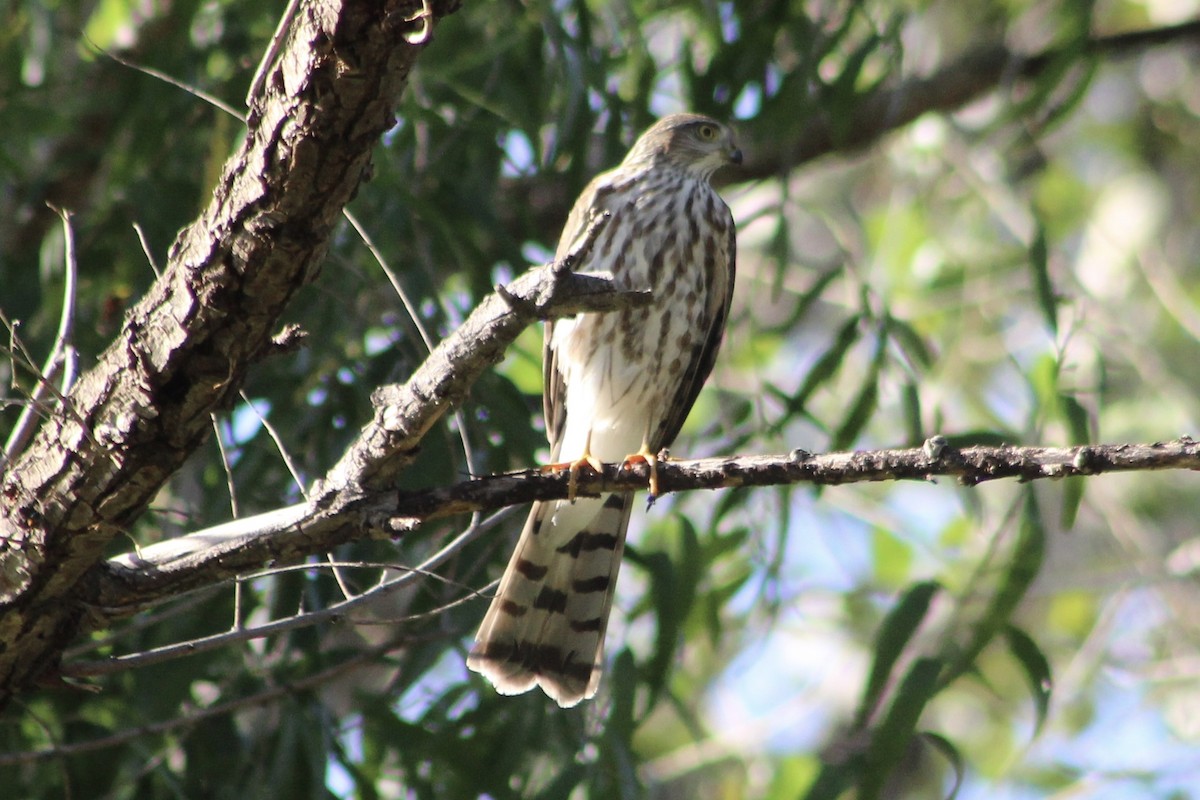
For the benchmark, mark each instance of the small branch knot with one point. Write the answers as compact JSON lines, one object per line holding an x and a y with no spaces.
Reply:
{"x":934,"y":447}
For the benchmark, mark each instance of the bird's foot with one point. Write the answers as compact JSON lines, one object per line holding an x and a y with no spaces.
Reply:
{"x":644,"y":456}
{"x":586,"y":460}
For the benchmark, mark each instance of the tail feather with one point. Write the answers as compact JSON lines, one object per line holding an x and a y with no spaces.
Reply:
{"x":547,"y":621}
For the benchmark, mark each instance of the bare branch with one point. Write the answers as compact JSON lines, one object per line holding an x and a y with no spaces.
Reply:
{"x":970,"y":466}
{"x":335,"y":512}
{"x":62,"y":354}
{"x":134,"y":580}
{"x":196,"y":716}
{"x":186,"y":347}
{"x":405,"y":413}
{"x":337,"y":612}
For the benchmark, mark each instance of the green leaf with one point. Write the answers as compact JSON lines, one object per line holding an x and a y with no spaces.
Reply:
{"x":833,"y":780}
{"x":1037,"y":670}
{"x":894,"y":635}
{"x":911,"y":342}
{"x":1073,"y":488}
{"x":624,"y":689}
{"x":621,"y":778}
{"x":865,"y":400}
{"x":1023,"y":567}
{"x":1078,"y":421}
{"x":1043,"y":379}
{"x":715,"y":601}
{"x":892,"y":558}
{"x":947,"y":749}
{"x":668,"y":612}
{"x":1039,"y":266}
{"x":829,"y":362}
{"x":891,"y":739}
{"x":792,"y":773}
{"x":780,"y":247}
{"x":911,"y":406}
{"x":813,"y":294}
{"x":859,"y":414}
{"x":1079,"y":424}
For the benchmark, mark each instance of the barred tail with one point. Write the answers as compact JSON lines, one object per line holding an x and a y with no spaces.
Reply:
{"x":546,"y":624}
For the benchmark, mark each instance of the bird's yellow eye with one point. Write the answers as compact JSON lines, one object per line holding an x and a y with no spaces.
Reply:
{"x":707,"y":132}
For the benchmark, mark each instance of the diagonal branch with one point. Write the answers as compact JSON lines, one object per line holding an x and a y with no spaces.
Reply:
{"x":404,"y":414}
{"x":187,"y":346}
{"x":345,"y":505}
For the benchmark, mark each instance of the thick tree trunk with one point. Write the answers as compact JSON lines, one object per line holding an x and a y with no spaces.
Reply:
{"x":185,"y":348}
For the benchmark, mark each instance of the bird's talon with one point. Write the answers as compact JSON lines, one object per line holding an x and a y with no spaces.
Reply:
{"x":573,"y":468}
{"x":645,"y":456}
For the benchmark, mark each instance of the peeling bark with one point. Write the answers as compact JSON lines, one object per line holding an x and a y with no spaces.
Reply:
{"x":185,"y":348}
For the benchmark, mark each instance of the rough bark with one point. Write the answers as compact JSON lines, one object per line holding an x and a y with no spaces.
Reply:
{"x":164,"y":570}
{"x":185,"y":348}
{"x":352,"y":501}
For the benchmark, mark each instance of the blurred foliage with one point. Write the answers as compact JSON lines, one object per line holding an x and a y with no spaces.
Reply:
{"x":1022,"y":270}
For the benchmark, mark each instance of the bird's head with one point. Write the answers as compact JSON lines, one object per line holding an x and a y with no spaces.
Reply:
{"x":692,"y":142}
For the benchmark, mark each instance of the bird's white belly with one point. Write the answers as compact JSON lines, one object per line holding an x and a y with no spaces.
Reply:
{"x":615,"y":401}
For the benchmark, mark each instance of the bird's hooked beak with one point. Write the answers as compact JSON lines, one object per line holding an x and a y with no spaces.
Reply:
{"x":733,"y":152}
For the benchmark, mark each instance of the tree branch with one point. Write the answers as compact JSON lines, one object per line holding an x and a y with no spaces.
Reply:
{"x":345,"y":505}
{"x":970,"y":466}
{"x":975,"y":73}
{"x":159,"y":571}
{"x":186,"y":347}
{"x":775,"y":152}
{"x":320,"y":678}
{"x":404,"y":414}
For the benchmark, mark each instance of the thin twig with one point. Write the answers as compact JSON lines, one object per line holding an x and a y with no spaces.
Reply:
{"x":290,"y":464}
{"x":211,"y":99}
{"x":227,"y":466}
{"x":146,"y":251}
{"x":273,"y":50}
{"x":306,"y":619}
{"x":183,"y":605}
{"x":413,"y":315}
{"x":193,"y":717}
{"x":233,"y":511}
{"x":58,"y":357}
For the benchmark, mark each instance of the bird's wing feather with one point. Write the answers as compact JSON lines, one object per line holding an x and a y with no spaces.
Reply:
{"x":701,"y":364}
{"x":554,"y":390}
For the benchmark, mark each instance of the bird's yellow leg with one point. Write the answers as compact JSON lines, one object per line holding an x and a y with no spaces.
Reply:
{"x":587,"y":459}
{"x":644,"y":455}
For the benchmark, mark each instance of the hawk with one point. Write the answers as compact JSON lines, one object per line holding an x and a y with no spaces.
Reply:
{"x":618,"y":386}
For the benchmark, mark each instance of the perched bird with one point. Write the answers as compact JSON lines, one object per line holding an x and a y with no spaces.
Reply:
{"x":618,"y":386}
